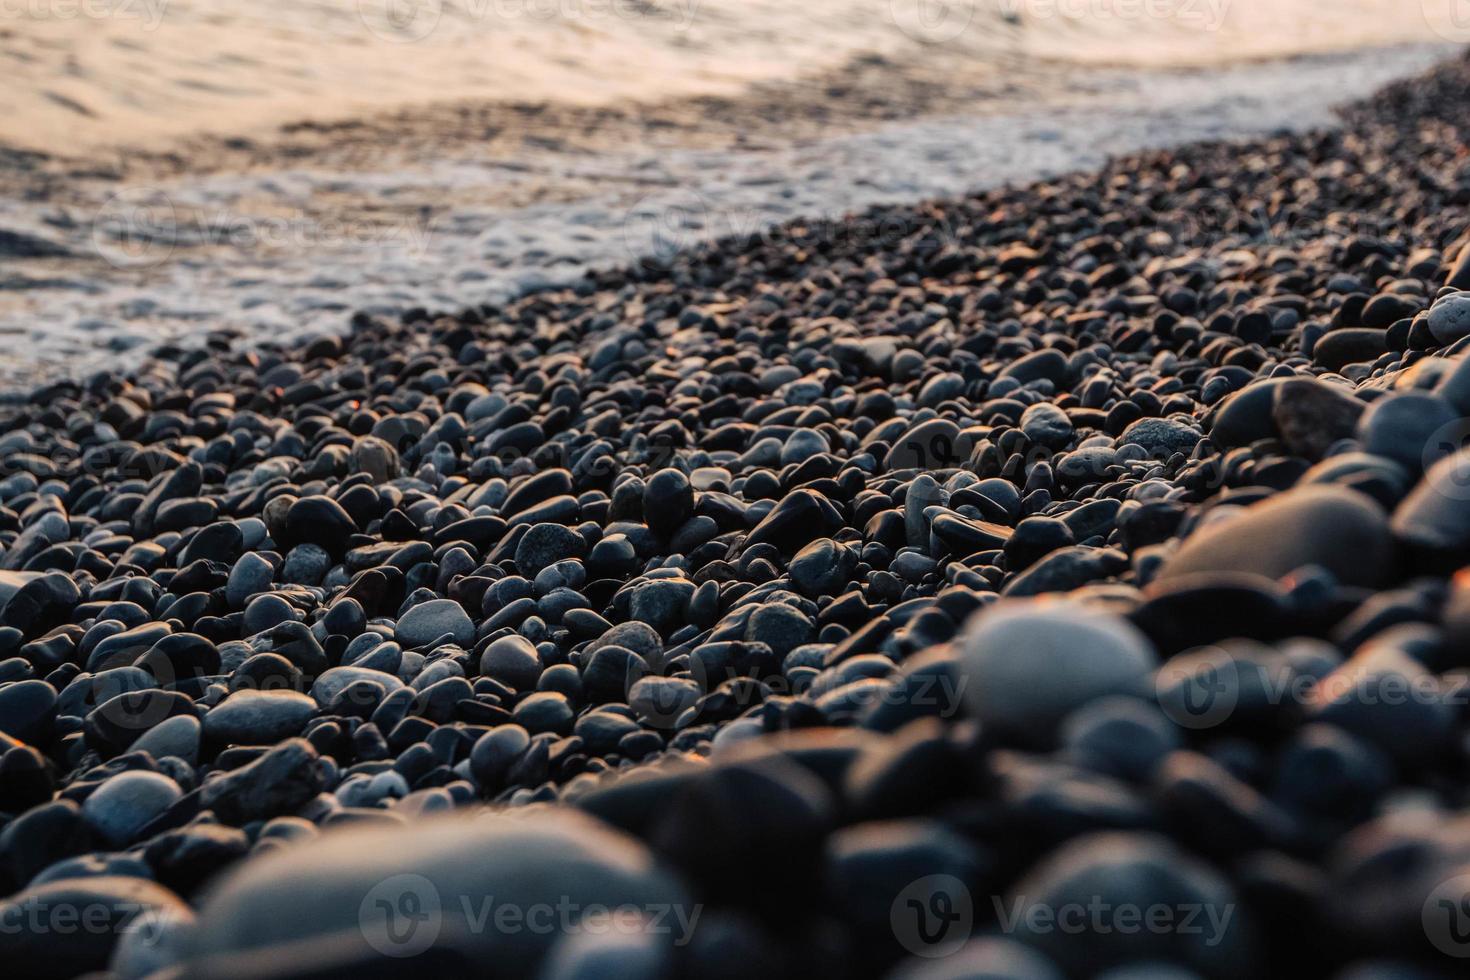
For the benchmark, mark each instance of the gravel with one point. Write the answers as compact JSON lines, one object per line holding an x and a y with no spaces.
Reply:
{"x":825,"y":602}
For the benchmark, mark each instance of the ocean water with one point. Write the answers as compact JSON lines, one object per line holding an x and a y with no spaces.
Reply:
{"x":86,"y":73}
{"x":433,"y":205}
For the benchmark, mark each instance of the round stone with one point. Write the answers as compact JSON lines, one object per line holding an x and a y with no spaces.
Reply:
{"x":1028,"y":665}
{"x":1341,"y":530}
{"x":126,"y":803}
{"x":428,"y":621}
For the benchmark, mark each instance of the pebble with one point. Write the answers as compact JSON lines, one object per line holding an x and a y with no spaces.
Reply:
{"x":527,"y":864}
{"x":258,"y":717}
{"x":428,"y":621}
{"x":1340,"y":530}
{"x":1310,"y":416}
{"x":107,"y":905}
{"x":123,"y":805}
{"x":1028,"y":668}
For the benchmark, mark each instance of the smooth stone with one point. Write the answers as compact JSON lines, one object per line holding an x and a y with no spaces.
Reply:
{"x":1046,"y":425}
{"x":177,"y":737}
{"x":1066,"y":569}
{"x":1413,"y":428}
{"x":1117,"y":871}
{"x":107,"y":905}
{"x":1435,"y":516}
{"x":27,"y":710}
{"x":923,"y":493}
{"x":1449,"y":318}
{"x":266,"y":612}
{"x":278,"y":783}
{"x":306,"y":564}
{"x":250,"y":575}
{"x":495,"y":752}
{"x":321,"y":521}
{"x":1028,"y":665}
{"x":1246,"y":416}
{"x":1341,"y":530}
{"x":12,"y":582}
{"x":513,"y":661}
{"x":823,"y":567}
{"x":331,"y":682}
{"x":1351,"y":345}
{"x":313,"y":896}
{"x":546,"y":544}
{"x":126,"y":803}
{"x":258,"y":717}
{"x":427,"y":621}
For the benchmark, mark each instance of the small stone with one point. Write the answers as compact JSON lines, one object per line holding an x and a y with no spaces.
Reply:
{"x":1161,"y":438}
{"x":279,"y":782}
{"x":27,"y":711}
{"x":250,"y":575}
{"x":1449,"y":318}
{"x":428,"y":621}
{"x":111,"y":907}
{"x":258,"y":717}
{"x":1338,"y":529}
{"x":546,"y":544}
{"x":1312,"y":415}
{"x":126,"y":803}
{"x":1405,"y":426}
{"x":1046,"y":425}
{"x":375,"y":457}
{"x":1030,"y":665}
{"x":512,"y":660}
{"x":177,"y":737}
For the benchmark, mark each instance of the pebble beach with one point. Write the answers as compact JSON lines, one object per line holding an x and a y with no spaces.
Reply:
{"x":1066,"y":578}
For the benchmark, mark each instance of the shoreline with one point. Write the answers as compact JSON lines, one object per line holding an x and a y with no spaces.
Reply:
{"x":265,"y":241}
